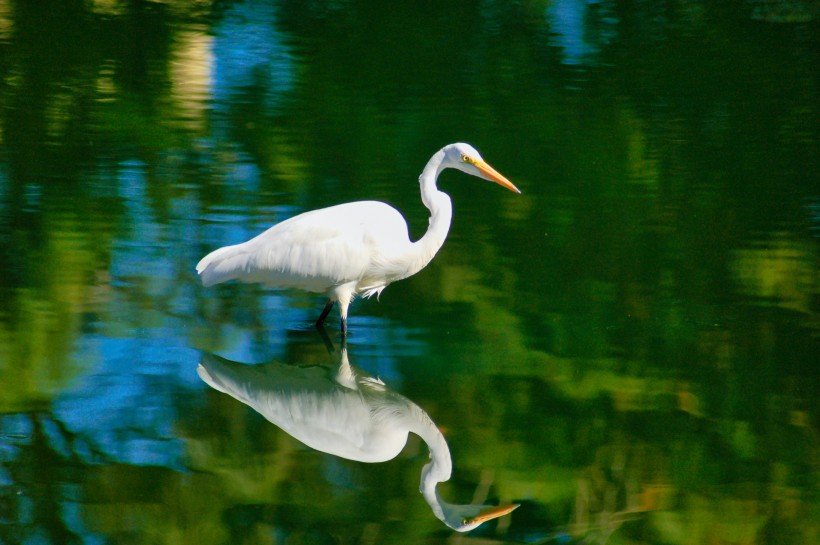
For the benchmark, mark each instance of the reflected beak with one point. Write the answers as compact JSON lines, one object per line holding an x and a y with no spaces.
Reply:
{"x":494,"y":511}
{"x":493,"y":175}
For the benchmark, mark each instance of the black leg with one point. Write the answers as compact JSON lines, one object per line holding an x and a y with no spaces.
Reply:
{"x":344,"y":328}
{"x":321,"y":321}
{"x":326,"y":339}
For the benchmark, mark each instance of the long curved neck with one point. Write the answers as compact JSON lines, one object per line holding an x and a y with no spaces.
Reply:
{"x":440,"y":466}
{"x":441,"y":214}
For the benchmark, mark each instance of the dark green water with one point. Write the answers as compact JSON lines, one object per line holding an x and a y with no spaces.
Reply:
{"x":629,"y":349}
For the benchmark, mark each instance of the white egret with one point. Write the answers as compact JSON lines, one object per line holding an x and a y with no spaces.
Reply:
{"x":344,"y":412}
{"x":350,"y":249}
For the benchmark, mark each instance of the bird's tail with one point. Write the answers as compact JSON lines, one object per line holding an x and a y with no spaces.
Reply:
{"x":209,"y":379}
{"x":221,"y":265}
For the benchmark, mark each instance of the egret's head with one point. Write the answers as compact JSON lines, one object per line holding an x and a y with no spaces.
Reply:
{"x":467,"y":159}
{"x":463,"y":518}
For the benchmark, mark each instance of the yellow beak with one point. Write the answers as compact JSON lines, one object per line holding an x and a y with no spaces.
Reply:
{"x":493,"y":175}
{"x":495,"y":511}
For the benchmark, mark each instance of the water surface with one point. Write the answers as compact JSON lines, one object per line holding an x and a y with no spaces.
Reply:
{"x":628,"y":349}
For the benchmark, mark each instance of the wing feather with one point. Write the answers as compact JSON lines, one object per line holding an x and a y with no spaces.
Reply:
{"x":313,"y":251}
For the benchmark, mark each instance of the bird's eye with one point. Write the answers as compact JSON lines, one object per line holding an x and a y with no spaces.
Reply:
{"x":467,"y":159}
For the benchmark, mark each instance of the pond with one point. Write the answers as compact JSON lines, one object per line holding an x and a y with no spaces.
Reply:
{"x":627,"y":350}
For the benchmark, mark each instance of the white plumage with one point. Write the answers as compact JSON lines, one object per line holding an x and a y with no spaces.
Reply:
{"x":344,"y":412}
{"x":349,"y":249}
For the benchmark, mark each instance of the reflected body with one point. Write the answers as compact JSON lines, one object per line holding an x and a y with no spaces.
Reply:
{"x":344,"y":412}
{"x":350,"y":249}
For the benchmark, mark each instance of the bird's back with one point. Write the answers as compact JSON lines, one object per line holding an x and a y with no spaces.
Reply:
{"x":367,"y":424}
{"x":313,"y":251}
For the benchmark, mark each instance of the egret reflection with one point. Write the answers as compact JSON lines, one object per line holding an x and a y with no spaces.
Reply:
{"x":342,"y":411}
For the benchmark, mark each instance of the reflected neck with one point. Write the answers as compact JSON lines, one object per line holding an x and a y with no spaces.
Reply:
{"x":440,"y":466}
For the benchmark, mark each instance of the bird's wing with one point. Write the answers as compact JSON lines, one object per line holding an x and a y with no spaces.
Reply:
{"x":309,"y":406}
{"x":313,"y":251}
